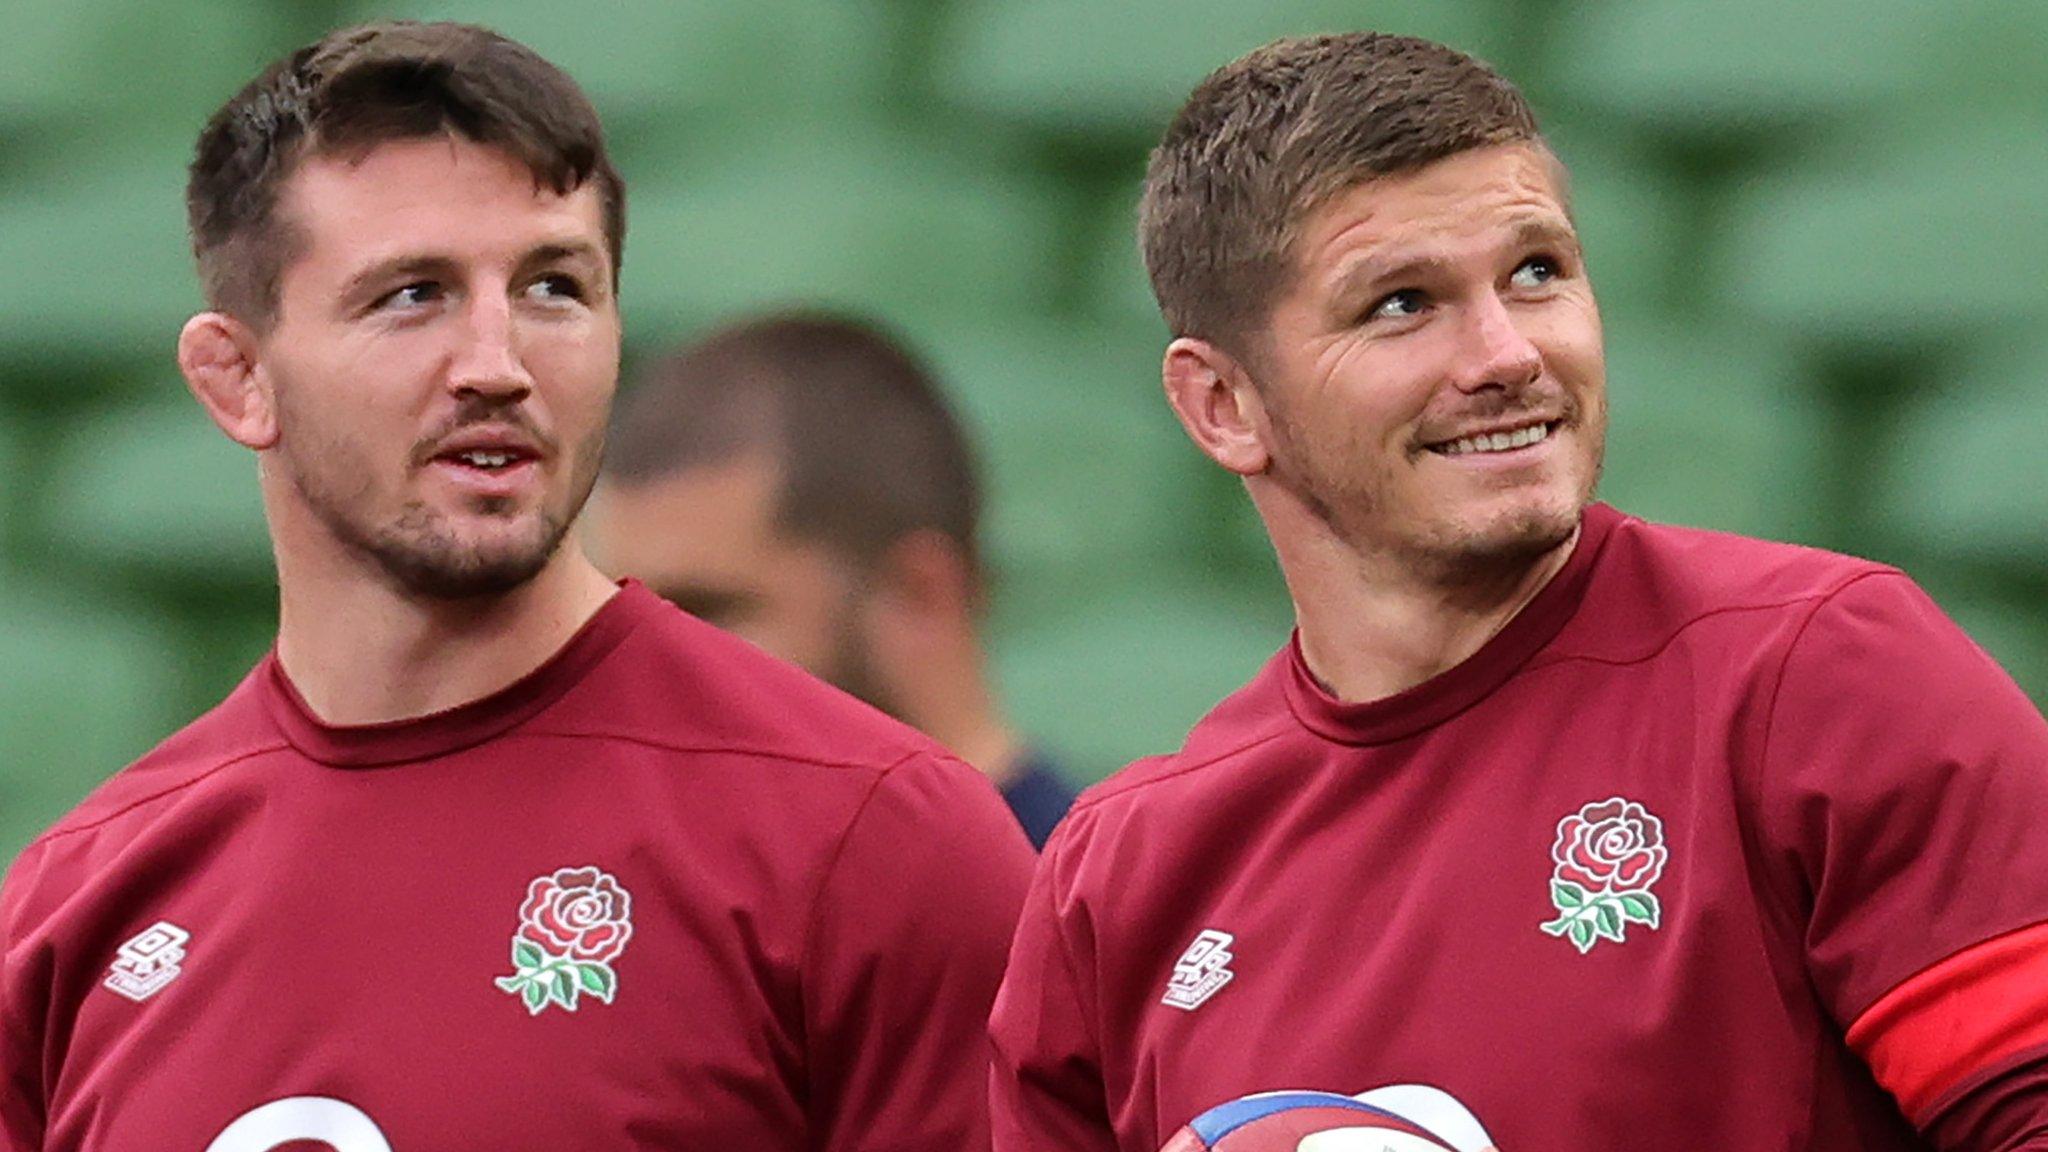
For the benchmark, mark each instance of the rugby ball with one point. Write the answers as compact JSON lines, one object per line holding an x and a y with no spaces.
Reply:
{"x":1303,"y":1122}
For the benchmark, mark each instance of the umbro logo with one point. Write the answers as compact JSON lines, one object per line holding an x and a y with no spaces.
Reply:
{"x":1201,"y":971}
{"x":148,"y":961}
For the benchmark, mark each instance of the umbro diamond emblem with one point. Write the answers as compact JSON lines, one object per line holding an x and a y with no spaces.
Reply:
{"x":148,"y":961}
{"x":1201,"y":971}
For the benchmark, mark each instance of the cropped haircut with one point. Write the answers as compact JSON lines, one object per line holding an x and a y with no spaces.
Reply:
{"x":868,"y":449}
{"x":1269,"y":138}
{"x":353,"y":90}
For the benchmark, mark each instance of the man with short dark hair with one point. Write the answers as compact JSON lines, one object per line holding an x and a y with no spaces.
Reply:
{"x":1550,"y":828}
{"x":490,"y":852}
{"x":798,"y":479}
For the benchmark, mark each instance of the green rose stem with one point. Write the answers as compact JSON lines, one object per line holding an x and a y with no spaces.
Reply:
{"x":1590,"y":916}
{"x":539,"y":978}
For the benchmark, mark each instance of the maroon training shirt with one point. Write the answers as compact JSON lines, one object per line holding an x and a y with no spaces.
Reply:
{"x":664,"y":893}
{"x":1719,"y":845}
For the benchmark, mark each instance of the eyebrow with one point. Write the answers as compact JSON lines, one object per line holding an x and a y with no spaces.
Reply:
{"x":396,"y":268}
{"x":437,"y":266}
{"x":1530,"y":232}
{"x":563,"y":250}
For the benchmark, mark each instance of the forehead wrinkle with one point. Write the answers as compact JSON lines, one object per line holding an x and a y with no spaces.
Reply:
{"x":1534,"y":227}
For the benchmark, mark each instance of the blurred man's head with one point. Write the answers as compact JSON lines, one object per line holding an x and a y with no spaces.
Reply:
{"x":799,"y":480}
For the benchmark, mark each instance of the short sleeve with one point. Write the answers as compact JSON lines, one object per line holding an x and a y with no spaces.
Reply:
{"x":904,"y":956}
{"x":1905,"y":779}
{"x":21,"y":1107}
{"x":1045,"y":1079}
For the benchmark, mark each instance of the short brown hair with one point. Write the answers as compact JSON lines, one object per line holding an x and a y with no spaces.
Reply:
{"x":868,"y":447}
{"x":363,"y":86}
{"x":1271,"y":136}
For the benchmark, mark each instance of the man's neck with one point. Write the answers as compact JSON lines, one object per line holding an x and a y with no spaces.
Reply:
{"x":360,"y":651}
{"x":941,"y":688}
{"x":1371,"y":628}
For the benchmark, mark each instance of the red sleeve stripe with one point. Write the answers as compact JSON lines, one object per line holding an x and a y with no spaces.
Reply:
{"x":1967,"y":1013}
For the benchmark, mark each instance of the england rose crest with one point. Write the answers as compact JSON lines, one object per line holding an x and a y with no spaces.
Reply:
{"x":1603,"y":864}
{"x":573,"y":924}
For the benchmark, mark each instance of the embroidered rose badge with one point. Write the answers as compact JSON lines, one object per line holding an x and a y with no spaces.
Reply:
{"x":1604,"y":862}
{"x":573,"y":924}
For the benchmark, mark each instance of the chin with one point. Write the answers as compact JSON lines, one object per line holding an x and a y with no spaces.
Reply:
{"x":441,"y":565}
{"x":1504,"y":538}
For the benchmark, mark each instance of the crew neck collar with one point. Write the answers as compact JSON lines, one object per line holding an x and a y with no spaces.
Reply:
{"x":1450,"y":692}
{"x":465,"y":725}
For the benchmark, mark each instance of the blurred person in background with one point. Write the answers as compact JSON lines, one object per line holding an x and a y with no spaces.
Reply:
{"x":1550,"y":827}
{"x":799,"y":480}
{"x":490,"y":852}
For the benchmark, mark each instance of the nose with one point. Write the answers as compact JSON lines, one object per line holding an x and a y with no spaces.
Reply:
{"x":1495,"y":352}
{"x":488,"y":363}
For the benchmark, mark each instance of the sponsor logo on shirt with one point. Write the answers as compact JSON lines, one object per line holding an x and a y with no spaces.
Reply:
{"x":148,"y":961}
{"x":572,"y":925}
{"x":1201,"y":971}
{"x":1606,"y":857}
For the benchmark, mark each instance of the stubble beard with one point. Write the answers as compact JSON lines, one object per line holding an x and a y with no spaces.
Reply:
{"x":1355,"y":509}
{"x":853,"y":668}
{"x":419,"y":554}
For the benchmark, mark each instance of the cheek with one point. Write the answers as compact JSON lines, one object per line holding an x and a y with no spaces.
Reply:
{"x":810,"y":607}
{"x":581,"y":367}
{"x":1571,"y":343}
{"x":1370,"y":392}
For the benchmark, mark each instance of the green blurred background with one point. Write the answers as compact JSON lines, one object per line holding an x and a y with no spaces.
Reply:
{"x":1819,"y":232}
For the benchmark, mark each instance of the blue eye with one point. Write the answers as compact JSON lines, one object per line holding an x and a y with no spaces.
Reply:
{"x":413,"y":295}
{"x":1396,"y":305}
{"x":556,"y":287}
{"x":1535,"y":272}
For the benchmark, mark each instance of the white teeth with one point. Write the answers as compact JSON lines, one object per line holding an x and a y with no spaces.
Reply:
{"x":1498,"y":441}
{"x":487,"y":459}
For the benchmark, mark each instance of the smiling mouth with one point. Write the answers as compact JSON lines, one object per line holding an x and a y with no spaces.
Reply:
{"x":1504,"y":441}
{"x":488,"y":460}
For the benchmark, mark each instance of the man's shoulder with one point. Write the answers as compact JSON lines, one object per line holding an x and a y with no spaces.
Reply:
{"x":679,"y":683}
{"x":1654,"y":581}
{"x":1720,"y":569}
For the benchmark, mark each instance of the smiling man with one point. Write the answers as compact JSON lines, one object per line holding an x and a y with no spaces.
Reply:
{"x":1550,"y":828}
{"x":490,"y":852}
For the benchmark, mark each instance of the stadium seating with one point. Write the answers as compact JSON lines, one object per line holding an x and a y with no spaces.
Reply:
{"x":2016,"y":636}
{"x":1117,"y":71}
{"x":1086,"y":468}
{"x":1969,"y":480}
{"x":1711,"y":427}
{"x":1737,"y":68}
{"x":1178,"y":644}
{"x":1815,"y":229}
{"x":836,"y":212}
{"x":67,"y":67}
{"x":704,"y":60}
{"x":103,"y":268}
{"x":88,"y":687}
{"x":1902,"y":241}
{"x":155,"y":491}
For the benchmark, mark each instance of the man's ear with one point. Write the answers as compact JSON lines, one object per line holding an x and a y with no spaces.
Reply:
{"x":218,"y":356}
{"x":1217,"y":404}
{"x":926,"y":576}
